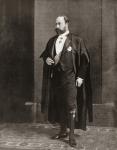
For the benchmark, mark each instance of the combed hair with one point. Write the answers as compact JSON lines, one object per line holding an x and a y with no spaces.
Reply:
{"x":66,"y":19}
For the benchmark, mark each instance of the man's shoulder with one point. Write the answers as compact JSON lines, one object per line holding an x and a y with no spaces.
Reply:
{"x":52,"y":39}
{"x":76,"y":37}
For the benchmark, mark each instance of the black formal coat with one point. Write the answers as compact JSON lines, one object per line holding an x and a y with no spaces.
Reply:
{"x":81,"y":63}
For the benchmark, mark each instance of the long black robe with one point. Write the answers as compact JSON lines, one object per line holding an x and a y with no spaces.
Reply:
{"x":81,"y":62}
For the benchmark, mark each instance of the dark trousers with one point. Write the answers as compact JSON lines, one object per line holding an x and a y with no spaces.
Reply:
{"x":64,"y":94}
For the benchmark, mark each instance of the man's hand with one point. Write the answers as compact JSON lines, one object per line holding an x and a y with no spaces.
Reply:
{"x":49,"y":61}
{"x":79,"y":82}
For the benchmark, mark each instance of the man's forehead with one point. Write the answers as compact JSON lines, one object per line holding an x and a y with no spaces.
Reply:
{"x":60,"y":19}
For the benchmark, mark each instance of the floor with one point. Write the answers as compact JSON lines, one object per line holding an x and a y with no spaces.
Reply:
{"x":38,"y":137}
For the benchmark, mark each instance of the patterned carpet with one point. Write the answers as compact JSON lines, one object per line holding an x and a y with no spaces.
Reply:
{"x":38,"y":137}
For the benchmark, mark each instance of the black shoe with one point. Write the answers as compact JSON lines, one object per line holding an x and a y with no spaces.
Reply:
{"x":72,"y":142}
{"x":60,"y":135}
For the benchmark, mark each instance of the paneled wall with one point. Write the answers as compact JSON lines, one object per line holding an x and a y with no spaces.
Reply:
{"x":109,"y":50}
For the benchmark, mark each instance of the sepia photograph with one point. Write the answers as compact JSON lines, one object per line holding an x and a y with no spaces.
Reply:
{"x":58,"y":75}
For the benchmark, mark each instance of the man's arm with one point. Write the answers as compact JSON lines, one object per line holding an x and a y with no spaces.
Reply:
{"x":45,"y":55}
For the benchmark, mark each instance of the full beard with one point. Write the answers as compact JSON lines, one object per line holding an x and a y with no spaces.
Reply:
{"x":58,"y":31}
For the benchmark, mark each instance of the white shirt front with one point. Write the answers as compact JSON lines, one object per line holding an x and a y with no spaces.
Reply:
{"x":60,"y":42}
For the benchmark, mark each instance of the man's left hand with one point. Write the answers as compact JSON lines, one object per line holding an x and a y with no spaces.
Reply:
{"x":79,"y":82}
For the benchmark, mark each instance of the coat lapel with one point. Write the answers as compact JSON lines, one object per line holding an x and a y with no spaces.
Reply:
{"x":73,"y":53}
{"x":67,"y":43}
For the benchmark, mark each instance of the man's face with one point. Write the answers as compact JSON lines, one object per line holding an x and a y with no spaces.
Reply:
{"x":60,"y":25}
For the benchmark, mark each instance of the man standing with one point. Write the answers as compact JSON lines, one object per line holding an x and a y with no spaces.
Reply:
{"x":66,"y":90}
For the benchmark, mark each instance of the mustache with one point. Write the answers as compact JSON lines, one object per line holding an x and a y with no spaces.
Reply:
{"x":57,"y":30}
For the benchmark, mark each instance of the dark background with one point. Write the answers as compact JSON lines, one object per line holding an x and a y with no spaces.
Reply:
{"x":16,"y":58}
{"x":26,"y":26}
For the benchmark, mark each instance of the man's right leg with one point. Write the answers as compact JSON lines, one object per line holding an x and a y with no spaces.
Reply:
{"x":63,"y":133}
{"x":61,"y":107}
